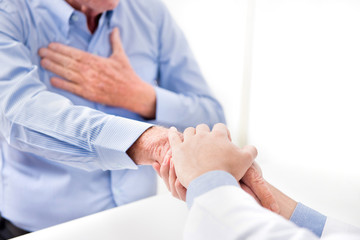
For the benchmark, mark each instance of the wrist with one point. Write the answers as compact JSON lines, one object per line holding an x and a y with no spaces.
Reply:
{"x":287,"y":205}
{"x":151,"y":146}
{"x":147,"y":100}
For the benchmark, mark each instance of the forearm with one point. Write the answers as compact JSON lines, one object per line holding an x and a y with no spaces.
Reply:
{"x":219,"y":211}
{"x":34,"y":120}
{"x":310,"y":219}
{"x":49,"y":125}
{"x":146,"y":105}
{"x":286,"y":204}
{"x":298,"y":213}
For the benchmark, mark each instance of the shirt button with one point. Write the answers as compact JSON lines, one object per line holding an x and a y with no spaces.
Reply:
{"x":74,"y":18}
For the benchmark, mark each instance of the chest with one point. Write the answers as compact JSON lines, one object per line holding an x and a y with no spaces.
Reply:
{"x":140,"y":46}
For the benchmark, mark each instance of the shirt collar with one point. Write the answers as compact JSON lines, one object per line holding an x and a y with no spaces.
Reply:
{"x":61,"y":11}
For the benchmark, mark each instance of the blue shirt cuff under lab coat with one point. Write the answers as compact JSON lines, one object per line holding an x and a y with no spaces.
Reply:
{"x":308,"y":218}
{"x":208,"y":182}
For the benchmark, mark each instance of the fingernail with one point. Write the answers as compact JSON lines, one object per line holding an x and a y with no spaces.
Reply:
{"x":42,"y":52}
{"x":173,"y":129}
{"x":52,"y":46}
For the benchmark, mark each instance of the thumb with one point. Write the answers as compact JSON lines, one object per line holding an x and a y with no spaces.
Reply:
{"x":174,"y":138}
{"x":115,"y":41}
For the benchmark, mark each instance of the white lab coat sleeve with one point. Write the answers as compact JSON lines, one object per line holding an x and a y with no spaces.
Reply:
{"x":334,"y":226}
{"x":228,"y":212}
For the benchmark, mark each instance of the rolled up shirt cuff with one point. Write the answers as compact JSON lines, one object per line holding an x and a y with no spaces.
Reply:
{"x":308,"y":218}
{"x":208,"y":182}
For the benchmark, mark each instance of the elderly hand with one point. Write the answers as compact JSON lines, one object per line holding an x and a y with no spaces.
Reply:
{"x":254,"y":184}
{"x":202,"y":151}
{"x":166,"y":171}
{"x":110,"y":81}
{"x":152,"y":146}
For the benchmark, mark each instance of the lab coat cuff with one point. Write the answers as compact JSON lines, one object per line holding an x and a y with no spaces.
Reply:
{"x":115,"y":138}
{"x":208,"y":182}
{"x":308,"y":218}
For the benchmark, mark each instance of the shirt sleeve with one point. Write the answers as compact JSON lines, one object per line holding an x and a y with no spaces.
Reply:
{"x":35,"y":120}
{"x":306,"y":217}
{"x":183,"y":96}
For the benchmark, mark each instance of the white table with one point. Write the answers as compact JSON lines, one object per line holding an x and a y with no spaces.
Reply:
{"x":163,"y":217}
{"x":159,"y":217}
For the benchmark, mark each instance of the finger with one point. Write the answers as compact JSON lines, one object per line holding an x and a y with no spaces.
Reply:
{"x":71,"y":52}
{"x":251,"y":150}
{"x":247,"y":157}
{"x":156,"y":167}
{"x":259,"y":187}
{"x":116,"y":44}
{"x":202,"y":128}
{"x":59,"y":59}
{"x":190,"y":131}
{"x":168,"y":155}
{"x":220,"y":129}
{"x":66,"y":85}
{"x":248,"y":190}
{"x":180,"y":189}
{"x":164,"y":172}
{"x":60,"y":70}
{"x":174,"y":138}
{"x":172,"y":180}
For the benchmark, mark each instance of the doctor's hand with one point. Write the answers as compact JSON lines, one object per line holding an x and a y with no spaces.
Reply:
{"x":203,"y":150}
{"x":110,"y":81}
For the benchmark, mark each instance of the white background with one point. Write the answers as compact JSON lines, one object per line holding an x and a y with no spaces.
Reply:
{"x":305,"y":93}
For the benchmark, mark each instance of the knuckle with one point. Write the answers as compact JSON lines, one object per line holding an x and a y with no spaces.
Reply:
{"x":247,"y":156}
{"x":258,"y":180}
{"x":69,"y":74}
{"x":52,"y":45}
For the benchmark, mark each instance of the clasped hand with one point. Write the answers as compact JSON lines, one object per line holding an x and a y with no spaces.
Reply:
{"x":201,"y":151}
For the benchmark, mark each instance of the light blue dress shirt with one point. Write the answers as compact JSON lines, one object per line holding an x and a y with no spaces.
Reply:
{"x":302,"y":216}
{"x":63,"y":157}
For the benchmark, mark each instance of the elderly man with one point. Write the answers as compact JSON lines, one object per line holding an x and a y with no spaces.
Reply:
{"x":71,"y":147}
